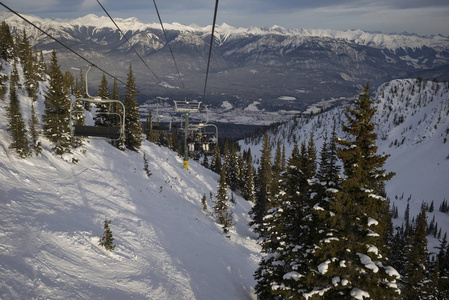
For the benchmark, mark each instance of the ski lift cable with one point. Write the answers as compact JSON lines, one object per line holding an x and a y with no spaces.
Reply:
{"x":65,"y":46}
{"x":132,"y":47}
{"x":168,"y":44}
{"x":210,"y":48}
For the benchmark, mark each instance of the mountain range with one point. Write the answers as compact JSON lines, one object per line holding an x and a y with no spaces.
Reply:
{"x":271,"y":68}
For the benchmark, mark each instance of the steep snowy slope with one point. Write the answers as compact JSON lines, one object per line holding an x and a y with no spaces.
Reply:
{"x":412,"y":123}
{"x":52,"y":213}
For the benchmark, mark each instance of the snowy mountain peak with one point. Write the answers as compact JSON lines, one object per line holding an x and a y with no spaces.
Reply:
{"x":380,"y":40}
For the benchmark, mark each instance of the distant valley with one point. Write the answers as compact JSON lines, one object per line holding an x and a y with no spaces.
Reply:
{"x":252,"y":69}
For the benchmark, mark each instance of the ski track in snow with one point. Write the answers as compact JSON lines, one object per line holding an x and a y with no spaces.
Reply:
{"x":52,"y":213}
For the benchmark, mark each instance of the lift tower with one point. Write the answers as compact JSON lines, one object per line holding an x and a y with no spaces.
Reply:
{"x":187,"y":107}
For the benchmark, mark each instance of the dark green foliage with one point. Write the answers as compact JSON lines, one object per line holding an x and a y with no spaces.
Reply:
{"x":6,"y":42}
{"x":57,"y":105}
{"x":356,"y":221}
{"x":16,"y":125}
{"x":133,"y":126}
{"x":107,"y":240}
{"x":248,"y":188}
{"x":203,"y":202}
{"x":416,"y":272}
{"x":101,"y":117}
{"x":146,"y":166}
{"x":215,"y":163}
{"x":116,"y":121}
{"x":35,"y":131}
{"x":221,"y":207}
{"x":263,"y":184}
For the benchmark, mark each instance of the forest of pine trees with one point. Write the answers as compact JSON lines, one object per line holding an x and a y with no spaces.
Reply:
{"x":323,"y":219}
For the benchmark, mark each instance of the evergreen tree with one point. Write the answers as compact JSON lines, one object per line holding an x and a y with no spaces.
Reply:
{"x":277,"y":168}
{"x":16,"y":124}
{"x":146,"y":166}
{"x":248,"y":189}
{"x":41,"y":69}
{"x":56,"y":116}
{"x":35,"y":131}
{"x":133,"y":126}
{"x":354,"y":256}
{"x":3,"y":79}
{"x":107,"y":240}
{"x":417,"y":267}
{"x":221,"y":207}
{"x":204,"y":203}
{"x":6,"y":42}
{"x":269,"y":274}
{"x":263,"y":184}
{"x":116,"y":120}
{"x":215,"y":163}
{"x":102,"y":118}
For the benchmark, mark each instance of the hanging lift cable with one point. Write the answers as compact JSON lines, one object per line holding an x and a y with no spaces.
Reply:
{"x":60,"y":43}
{"x":168,"y":44}
{"x":210,"y":49}
{"x":90,"y":63}
{"x":132,"y":47}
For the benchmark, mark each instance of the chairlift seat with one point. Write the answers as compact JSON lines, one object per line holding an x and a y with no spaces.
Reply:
{"x":97,"y":131}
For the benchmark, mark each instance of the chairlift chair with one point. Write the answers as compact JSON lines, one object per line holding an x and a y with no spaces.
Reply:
{"x":160,"y":127}
{"x":100,"y":132}
{"x":114,"y":133}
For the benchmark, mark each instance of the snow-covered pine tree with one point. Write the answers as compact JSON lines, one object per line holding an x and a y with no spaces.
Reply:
{"x":248,"y":188}
{"x":263,"y":184}
{"x":133,"y":126}
{"x":215,"y":163}
{"x":29,"y":63}
{"x":269,"y":274}
{"x":353,"y":258}
{"x":117,"y":109}
{"x":6,"y":42}
{"x":298,"y":221}
{"x":146,"y":166}
{"x":416,"y":274}
{"x":277,"y":169}
{"x":221,"y":208}
{"x":204,"y":202}
{"x":35,"y":131}
{"x":107,"y":240}
{"x":102,"y":118}
{"x":16,"y":125}
{"x":56,"y":114}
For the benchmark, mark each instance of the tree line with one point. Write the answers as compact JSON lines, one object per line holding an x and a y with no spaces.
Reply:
{"x":324,"y":220}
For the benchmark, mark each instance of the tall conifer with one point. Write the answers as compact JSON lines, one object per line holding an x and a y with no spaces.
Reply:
{"x":353,"y":257}
{"x":16,"y":124}
{"x":263,"y":184}
{"x":57,"y":105}
{"x":133,"y":126}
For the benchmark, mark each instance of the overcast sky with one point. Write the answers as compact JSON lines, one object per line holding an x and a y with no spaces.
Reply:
{"x":424,"y":17}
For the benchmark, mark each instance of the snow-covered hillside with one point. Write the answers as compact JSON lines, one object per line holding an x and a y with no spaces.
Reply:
{"x":412,"y":123}
{"x":52,"y":213}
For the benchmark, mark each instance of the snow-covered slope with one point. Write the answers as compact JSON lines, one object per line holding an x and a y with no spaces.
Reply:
{"x":52,"y":213}
{"x":412,"y":123}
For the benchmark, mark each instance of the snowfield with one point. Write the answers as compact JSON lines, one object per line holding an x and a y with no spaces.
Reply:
{"x":52,"y":213}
